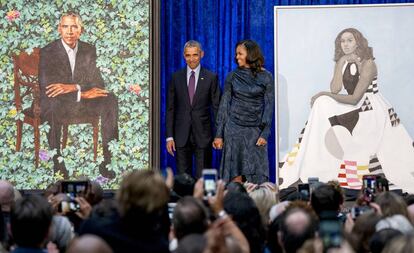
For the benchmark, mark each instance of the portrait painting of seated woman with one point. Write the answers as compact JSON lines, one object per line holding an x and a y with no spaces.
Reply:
{"x":351,"y":133}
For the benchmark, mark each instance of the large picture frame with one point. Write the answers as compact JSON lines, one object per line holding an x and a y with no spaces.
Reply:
{"x":126,"y":37}
{"x":304,"y":53}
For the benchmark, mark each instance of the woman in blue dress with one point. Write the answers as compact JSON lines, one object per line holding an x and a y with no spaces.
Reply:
{"x":245,"y":116}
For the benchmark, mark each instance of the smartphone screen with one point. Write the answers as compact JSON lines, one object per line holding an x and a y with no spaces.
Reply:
{"x":369,"y":182}
{"x":210,"y":181}
{"x":75,"y":188}
{"x":304,"y":189}
{"x":330,"y":232}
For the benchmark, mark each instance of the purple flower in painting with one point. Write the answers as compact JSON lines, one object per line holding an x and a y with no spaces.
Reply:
{"x":44,"y":155}
{"x":12,"y":15}
{"x":101,"y":180}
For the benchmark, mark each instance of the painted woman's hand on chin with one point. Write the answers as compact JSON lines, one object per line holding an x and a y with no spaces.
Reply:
{"x":353,"y":58}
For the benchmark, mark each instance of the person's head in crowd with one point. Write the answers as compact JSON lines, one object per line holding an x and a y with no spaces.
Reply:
{"x":61,"y":232}
{"x":335,"y":184}
{"x":6,"y":195}
{"x":245,"y":214}
{"x":190,"y":217}
{"x":276,"y":210}
{"x":363,"y":229}
{"x":264,"y":199}
{"x":235,"y":187}
{"x":53,"y":189}
{"x":326,"y":198}
{"x":381,"y":238}
{"x":106,"y":209}
{"x":89,"y":244}
{"x":183,"y":185}
{"x":192,"y":243}
{"x":398,"y":222}
{"x":400,"y":244}
{"x":391,"y":204}
{"x":30,"y":221}
{"x":273,"y":188}
{"x":95,"y":194}
{"x":144,"y":191}
{"x":273,"y":229}
{"x":298,"y":224}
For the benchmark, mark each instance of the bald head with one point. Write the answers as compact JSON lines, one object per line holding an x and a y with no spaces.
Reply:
{"x":89,"y":244}
{"x":297,"y":222}
{"x":6,"y":195}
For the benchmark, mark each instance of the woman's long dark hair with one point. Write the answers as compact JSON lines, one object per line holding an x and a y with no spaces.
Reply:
{"x":254,"y":57}
{"x":363,"y":50}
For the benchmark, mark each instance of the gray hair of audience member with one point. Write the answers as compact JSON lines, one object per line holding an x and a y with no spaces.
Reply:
{"x":264,"y":199}
{"x":400,"y":244}
{"x":190,"y":217}
{"x":277,"y":210}
{"x":96,"y":193}
{"x":398,"y":222}
{"x":193,"y":43}
{"x":89,"y":244}
{"x":391,"y":204}
{"x":6,"y":195}
{"x":61,"y":232}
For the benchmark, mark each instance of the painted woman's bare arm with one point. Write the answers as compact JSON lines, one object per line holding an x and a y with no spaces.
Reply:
{"x":367,"y":73}
{"x":336,"y":83}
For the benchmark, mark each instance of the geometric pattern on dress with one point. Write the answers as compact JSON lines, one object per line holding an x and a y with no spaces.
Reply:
{"x":290,"y":157}
{"x":350,"y":174}
{"x":366,"y":106}
{"x":375,"y":168}
{"x":395,"y":120}
{"x":374,"y":165}
{"x":301,"y":133}
{"x":373,"y":87}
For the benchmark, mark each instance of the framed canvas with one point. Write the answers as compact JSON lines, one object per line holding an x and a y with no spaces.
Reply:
{"x":123,"y":35}
{"x":304,"y":60}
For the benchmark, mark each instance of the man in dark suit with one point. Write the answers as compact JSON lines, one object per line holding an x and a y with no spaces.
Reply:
{"x":71,"y":85}
{"x":193,"y":95}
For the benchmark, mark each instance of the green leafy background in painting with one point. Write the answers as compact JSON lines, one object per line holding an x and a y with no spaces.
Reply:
{"x":120,"y":31}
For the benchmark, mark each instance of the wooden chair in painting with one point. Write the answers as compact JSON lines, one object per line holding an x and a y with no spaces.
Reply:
{"x":26,"y":86}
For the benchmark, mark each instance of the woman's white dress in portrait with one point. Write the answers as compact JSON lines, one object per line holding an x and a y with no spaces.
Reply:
{"x":344,"y":142}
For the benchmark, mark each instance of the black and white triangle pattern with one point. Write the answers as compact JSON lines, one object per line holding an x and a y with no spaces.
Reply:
{"x":366,"y":106}
{"x":395,"y":120}
{"x":301,"y":133}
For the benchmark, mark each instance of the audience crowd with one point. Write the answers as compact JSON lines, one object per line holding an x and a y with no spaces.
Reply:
{"x":150,"y":213}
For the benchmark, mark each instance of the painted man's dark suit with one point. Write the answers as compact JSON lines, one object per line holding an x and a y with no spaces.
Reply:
{"x":54,"y":67}
{"x":191,"y":124}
